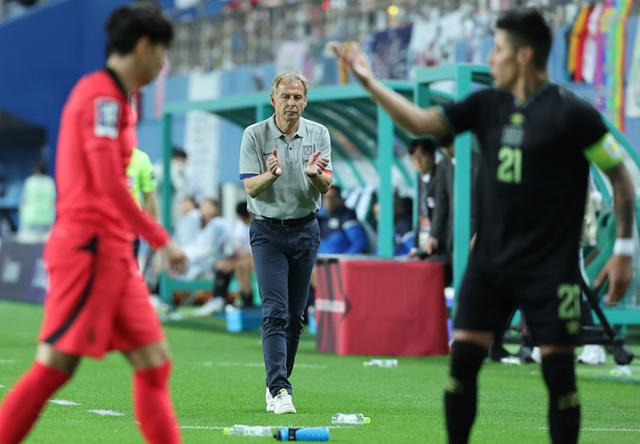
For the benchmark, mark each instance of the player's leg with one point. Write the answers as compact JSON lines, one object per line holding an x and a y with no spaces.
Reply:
{"x":73,"y":268}
{"x":137,"y":333}
{"x":481,"y":310}
{"x":558,"y":370}
{"x":24,"y":402}
{"x":243,"y":270}
{"x":151,"y":399}
{"x":301,"y":263}
{"x":551,"y":308}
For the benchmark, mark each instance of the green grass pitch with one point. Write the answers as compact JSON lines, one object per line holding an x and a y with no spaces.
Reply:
{"x":218,"y":380}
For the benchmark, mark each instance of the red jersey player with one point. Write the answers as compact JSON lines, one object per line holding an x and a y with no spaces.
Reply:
{"x":97,"y":299}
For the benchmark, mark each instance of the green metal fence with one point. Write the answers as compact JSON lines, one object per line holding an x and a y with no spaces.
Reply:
{"x":351,"y":115}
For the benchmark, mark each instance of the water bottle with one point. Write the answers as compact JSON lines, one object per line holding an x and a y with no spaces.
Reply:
{"x":385,"y":363}
{"x":350,"y":418}
{"x":245,"y":430}
{"x":304,"y":434}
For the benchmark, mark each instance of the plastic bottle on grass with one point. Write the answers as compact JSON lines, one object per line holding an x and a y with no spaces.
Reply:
{"x":350,"y":418}
{"x":302,"y":434}
{"x":385,"y":363}
{"x":245,"y":430}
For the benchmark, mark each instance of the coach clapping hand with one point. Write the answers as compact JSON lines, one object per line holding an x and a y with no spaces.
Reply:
{"x":316,"y":164}
{"x":273,"y":163}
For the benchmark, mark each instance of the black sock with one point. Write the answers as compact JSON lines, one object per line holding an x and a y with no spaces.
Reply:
{"x":564,"y":404}
{"x":221,"y":284}
{"x":460,"y":396}
{"x":247,"y":299}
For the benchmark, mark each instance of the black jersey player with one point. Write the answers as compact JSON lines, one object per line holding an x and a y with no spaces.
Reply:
{"x":536,"y":141}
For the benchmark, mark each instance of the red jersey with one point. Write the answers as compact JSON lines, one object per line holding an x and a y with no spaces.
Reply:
{"x":97,"y":136}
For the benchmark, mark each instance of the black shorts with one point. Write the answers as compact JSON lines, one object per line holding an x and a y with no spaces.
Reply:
{"x":550,"y":305}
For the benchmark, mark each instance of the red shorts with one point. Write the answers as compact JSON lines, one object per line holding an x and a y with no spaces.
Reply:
{"x":96,"y":301}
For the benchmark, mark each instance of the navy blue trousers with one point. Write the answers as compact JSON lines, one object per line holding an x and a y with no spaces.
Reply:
{"x":284,"y":257}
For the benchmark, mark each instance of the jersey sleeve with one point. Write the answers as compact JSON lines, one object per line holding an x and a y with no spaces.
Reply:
{"x":598,"y":145}
{"x":325,"y":149}
{"x":464,"y":115}
{"x":101,"y":123}
{"x":249,"y":156}
{"x":148,"y":183}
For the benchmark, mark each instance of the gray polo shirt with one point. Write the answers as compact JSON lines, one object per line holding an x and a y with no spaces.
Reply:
{"x":292,"y":195}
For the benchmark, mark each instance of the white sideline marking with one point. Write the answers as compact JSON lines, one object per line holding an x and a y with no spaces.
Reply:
{"x":104,"y":412}
{"x":256,"y":364}
{"x":197,"y":427}
{"x":610,"y":429}
{"x":604,"y":429}
{"x":7,"y":361}
{"x":1,"y":386}
{"x":63,"y":402}
{"x":202,"y":427}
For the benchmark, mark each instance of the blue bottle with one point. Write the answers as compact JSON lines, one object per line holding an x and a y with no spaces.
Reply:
{"x":306,"y":434}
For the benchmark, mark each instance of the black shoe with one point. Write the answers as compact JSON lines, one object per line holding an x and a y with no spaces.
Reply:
{"x":497,"y":352}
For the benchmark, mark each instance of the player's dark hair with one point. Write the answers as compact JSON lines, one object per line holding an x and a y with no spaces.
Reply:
{"x":178,"y":153}
{"x":444,"y":141}
{"x":127,"y":24}
{"x":527,"y":27}
{"x":425,"y":145}
{"x":241,"y":209}
{"x":40,"y":167}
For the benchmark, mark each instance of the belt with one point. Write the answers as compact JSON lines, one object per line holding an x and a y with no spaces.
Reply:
{"x":287,"y":222}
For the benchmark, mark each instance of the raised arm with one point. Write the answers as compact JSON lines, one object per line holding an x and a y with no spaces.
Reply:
{"x":403,"y":112}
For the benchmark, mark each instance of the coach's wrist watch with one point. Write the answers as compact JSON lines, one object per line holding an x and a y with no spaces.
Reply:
{"x":624,"y":247}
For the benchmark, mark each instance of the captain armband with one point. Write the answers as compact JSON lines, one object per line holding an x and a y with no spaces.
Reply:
{"x":605,"y":153}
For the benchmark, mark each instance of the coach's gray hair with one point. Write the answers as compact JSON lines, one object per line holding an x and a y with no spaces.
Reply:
{"x":291,"y":76}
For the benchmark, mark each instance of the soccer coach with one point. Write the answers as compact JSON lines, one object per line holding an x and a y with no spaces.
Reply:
{"x":285,"y":164}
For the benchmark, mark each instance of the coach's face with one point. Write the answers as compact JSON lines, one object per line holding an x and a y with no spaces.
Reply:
{"x":503,"y":60}
{"x":289,"y":100}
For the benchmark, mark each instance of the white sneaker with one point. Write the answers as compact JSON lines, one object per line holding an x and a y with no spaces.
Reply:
{"x":283,"y":403}
{"x":271,"y":406}
{"x":535,"y":355}
{"x":592,"y":354}
{"x":213,"y":305}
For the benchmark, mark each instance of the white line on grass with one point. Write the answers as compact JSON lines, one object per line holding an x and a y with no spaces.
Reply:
{"x":202,"y":427}
{"x":64,"y":402}
{"x":604,"y":429}
{"x":256,"y":364}
{"x":198,"y":427}
{"x":104,"y":412}
{"x":610,"y":429}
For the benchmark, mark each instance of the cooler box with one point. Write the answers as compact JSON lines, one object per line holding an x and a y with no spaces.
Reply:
{"x":380,"y":307}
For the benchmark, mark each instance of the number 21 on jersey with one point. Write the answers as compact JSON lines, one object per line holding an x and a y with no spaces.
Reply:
{"x":510,"y":165}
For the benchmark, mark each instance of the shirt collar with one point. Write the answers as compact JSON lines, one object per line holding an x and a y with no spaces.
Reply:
{"x":277,"y":134}
{"x":117,"y":81}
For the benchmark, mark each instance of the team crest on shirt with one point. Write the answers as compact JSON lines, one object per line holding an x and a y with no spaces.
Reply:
{"x":512,"y":135}
{"x":307,"y":151}
{"x":107,"y":115}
